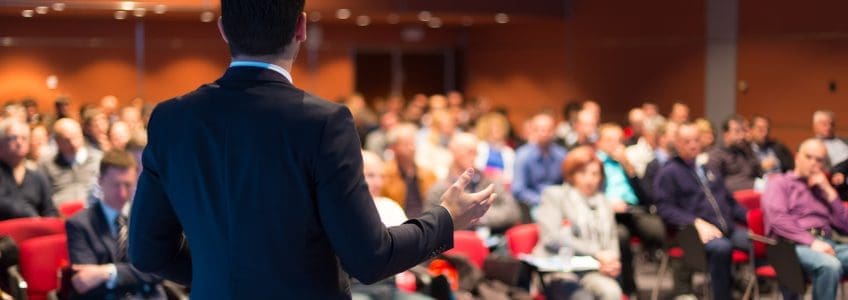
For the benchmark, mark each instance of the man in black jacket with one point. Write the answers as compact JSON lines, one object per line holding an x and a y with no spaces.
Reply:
{"x":266,"y":181}
{"x":774,"y":157}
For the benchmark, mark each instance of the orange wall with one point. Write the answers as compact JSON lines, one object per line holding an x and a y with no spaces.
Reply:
{"x":788,"y":54}
{"x":619,"y":53}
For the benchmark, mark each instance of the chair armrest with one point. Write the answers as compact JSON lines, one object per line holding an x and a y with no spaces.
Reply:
{"x":762,"y":239}
{"x":17,"y":284}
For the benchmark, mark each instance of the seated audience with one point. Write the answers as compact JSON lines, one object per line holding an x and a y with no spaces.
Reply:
{"x":735,"y":161}
{"x":23,"y":192}
{"x":663,"y":153}
{"x":824,"y":127}
{"x":635,"y":124}
{"x":591,"y":229}
{"x":119,"y":135}
{"x":376,"y":141}
{"x":504,"y":212}
{"x":641,"y":152}
{"x":38,"y":146}
{"x":679,"y":113}
{"x":804,"y":208}
{"x":773,"y":156}
{"x":537,"y":164}
{"x":691,"y":194}
{"x":390,"y":212}
{"x":406,"y":182}
{"x":431,"y":147}
{"x":494,"y":157}
{"x":565,"y":133}
{"x":97,"y":239}
{"x":585,"y":130}
{"x":95,"y":126}
{"x":622,"y":190}
{"x":707,"y":135}
{"x":74,"y":169}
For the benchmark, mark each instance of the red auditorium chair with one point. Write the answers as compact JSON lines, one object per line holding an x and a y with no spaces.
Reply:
{"x":23,"y":229}
{"x":41,"y":260}
{"x":468,"y":244}
{"x":521,"y":239}
{"x":68,"y":209}
{"x":749,"y":199}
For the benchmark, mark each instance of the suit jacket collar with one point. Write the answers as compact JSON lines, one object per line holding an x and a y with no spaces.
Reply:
{"x":249,"y":76}
{"x":101,"y":228}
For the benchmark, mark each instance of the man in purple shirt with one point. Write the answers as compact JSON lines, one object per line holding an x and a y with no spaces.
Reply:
{"x":803,"y":207}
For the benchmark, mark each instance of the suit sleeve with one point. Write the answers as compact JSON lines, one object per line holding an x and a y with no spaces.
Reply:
{"x":156,"y":243}
{"x":367,"y":250}
{"x":79,"y":248}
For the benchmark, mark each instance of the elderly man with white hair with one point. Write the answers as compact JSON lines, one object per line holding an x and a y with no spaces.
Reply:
{"x":73,"y":171}
{"x":25,"y":193}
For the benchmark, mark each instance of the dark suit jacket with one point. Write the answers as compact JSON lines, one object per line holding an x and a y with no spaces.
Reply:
{"x":266,"y":182}
{"x":91,"y":242}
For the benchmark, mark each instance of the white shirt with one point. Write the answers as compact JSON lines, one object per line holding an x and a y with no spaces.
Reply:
{"x":259,"y":64}
{"x":391,"y":214}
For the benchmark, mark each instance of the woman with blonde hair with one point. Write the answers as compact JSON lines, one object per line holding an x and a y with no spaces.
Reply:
{"x":494,"y":157}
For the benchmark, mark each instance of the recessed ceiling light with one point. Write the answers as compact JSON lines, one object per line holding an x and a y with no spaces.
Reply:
{"x":393,"y":18}
{"x":424,"y":16}
{"x":120,"y":15}
{"x":59,"y":6}
{"x":139,"y":12}
{"x":502,"y":18}
{"x":343,"y":14}
{"x":160,"y":9}
{"x":363,"y":21}
{"x":27,"y":13}
{"x":207,"y":16}
{"x":6,"y":41}
{"x":127,"y":5}
{"x":315,"y":16}
{"x":41,"y":10}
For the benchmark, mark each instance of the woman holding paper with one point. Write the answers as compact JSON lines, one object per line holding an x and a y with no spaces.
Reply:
{"x":575,"y":218}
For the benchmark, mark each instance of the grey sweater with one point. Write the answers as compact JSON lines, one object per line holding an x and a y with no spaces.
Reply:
{"x":593,"y":226}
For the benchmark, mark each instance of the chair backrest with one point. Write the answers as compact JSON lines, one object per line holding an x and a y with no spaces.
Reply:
{"x":757,"y":226}
{"x":749,"y":199}
{"x":69,"y":208}
{"x":41,"y":260}
{"x":26,"y":228}
{"x":521,"y":239}
{"x":468,"y":244}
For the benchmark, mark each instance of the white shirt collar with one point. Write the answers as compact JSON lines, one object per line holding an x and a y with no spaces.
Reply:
{"x":259,"y":64}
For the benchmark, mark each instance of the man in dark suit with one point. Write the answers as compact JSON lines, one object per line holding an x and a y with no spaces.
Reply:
{"x":266,"y":182}
{"x":97,"y":239}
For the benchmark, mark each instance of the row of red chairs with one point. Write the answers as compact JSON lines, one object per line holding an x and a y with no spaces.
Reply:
{"x":522,"y":239}
{"x":43,"y":251}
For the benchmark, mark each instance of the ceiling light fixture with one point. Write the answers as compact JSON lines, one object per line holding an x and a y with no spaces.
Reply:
{"x":343,"y":14}
{"x":160,"y":9}
{"x":41,"y":10}
{"x":120,"y":15}
{"x":502,"y":18}
{"x":425,"y":16}
{"x":207,"y":16}
{"x":27,"y":13}
{"x":127,"y":5}
{"x":58,"y":6}
{"x":139,"y":12}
